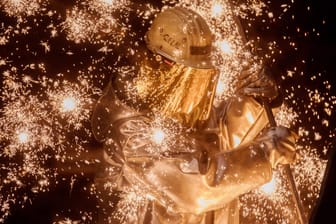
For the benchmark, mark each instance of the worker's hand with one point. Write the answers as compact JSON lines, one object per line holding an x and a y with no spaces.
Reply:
{"x":279,"y":145}
{"x":256,"y":82}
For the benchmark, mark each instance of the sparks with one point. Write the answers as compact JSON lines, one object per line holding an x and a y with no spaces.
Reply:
{"x":131,"y":200}
{"x":95,"y":24}
{"x":55,"y":109}
{"x":23,"y":8}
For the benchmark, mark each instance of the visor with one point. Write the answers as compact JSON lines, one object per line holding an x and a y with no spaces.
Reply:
{"x":178,"y":92}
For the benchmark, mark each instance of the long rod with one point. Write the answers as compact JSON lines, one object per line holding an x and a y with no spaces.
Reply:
{"x":271,"y":119}
{"x":287,"y":171}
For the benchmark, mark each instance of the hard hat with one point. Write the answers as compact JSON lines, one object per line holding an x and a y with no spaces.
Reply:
{"x":181,"y":35}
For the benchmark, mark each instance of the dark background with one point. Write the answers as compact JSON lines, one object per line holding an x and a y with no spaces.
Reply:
{"x":70,"y":199}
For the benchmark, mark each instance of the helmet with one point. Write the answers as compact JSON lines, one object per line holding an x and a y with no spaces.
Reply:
{"x":181,"y":35}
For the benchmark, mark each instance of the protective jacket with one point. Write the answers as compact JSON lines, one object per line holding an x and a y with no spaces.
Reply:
{"x":189,"y":175}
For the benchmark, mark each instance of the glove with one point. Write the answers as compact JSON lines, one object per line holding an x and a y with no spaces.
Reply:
{"x":279,"y":145}
{"x":256,"y":82}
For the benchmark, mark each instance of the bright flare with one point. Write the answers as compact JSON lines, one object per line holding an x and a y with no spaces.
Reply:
{"x":108,"y":1}
{"x":16,"y":2}
{"x":216,"y":10}
{"x":158,"y":135}
{"x":220,"y":88}
{"x":236,"y":140}
{"x":23,"y":137}
{"x":250,"y":117}
{"x":225,"y":47}
{"x":270,"y":187}
{"x":69,"y":104}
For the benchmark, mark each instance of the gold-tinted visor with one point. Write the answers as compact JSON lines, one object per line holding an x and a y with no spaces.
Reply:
{"x":177,"y":91}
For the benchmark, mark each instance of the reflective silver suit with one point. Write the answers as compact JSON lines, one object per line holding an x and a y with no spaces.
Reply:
{"x":197,"y":178}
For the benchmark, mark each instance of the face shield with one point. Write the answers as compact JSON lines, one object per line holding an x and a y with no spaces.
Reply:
{"x":177,"y":91}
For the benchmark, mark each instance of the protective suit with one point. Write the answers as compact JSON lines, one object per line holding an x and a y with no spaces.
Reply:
{"x":188,"y":160}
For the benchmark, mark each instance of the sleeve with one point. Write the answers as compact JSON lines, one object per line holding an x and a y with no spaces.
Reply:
{"x":171,"y":170}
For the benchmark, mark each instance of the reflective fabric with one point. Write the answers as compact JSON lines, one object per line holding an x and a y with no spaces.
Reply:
{"x":244,"y":119}
{"x":174,"y":188}
{"x":177,"y":91}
